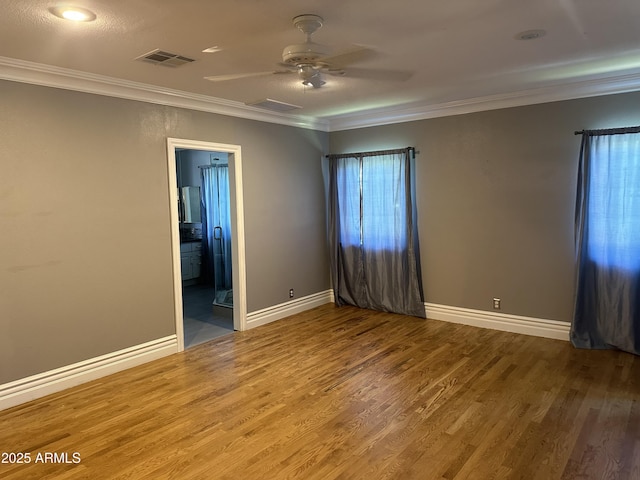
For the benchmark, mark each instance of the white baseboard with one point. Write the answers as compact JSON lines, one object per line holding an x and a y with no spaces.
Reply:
{"x":499,"y":321}
{"x":36,"y":386}
{"x":276,"y":312}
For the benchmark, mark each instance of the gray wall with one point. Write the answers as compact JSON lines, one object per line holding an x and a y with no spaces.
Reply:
{"x":496,"y":193}
{"x":85,"y":250}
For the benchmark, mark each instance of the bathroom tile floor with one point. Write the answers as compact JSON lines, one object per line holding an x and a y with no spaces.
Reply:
{"x":200,"y":325}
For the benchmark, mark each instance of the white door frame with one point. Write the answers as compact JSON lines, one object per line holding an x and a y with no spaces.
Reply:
{"x":239,"y":274}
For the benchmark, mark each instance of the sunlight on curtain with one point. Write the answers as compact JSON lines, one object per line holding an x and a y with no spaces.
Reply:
{"x":372,"y":193}
{"x":614,"y":201}
{"x":348,"y":188}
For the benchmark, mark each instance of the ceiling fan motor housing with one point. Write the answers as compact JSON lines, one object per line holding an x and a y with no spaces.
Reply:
{"x":304,"y":53}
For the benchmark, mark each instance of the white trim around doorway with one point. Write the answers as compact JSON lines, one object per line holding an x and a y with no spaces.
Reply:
{"x":237,"y":230}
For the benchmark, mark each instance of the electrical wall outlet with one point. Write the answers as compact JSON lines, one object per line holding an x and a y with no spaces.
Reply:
{"x":291,"y":293}
{"x":496,"y":304}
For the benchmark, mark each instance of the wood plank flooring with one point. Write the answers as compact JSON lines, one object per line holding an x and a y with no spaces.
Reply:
{"x":344,"y":393}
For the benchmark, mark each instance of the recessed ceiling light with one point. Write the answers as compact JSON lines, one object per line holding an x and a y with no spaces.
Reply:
{"x":531,"y":34}
{"x":74,"y":14}
{"x":213,"y":49}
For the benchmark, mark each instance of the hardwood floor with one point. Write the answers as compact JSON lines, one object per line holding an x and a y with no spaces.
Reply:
{"x":350,"y":394}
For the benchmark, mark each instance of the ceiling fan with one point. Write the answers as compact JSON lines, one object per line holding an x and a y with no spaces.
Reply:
{"x":310,"y":60}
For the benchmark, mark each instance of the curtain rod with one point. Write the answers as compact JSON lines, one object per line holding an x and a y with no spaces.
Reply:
{"x":378,"y":152}
{"x":609,"y":131}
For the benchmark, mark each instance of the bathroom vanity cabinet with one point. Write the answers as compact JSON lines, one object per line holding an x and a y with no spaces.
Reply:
{"x":191,"y":260}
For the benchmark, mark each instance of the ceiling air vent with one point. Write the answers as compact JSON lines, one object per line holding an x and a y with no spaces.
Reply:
{"x":160,"y":57}
{"x":274,"y":105}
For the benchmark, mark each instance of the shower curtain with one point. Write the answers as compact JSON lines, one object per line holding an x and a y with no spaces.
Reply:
{"x":216,"y":227}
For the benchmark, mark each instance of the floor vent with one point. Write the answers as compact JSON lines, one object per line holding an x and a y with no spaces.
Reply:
{"x":167,"y":59}
{"x":274,"y":105}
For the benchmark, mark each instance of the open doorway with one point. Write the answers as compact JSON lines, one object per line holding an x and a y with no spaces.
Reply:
{"x":205,"y":244}
{"x":205,"y":184}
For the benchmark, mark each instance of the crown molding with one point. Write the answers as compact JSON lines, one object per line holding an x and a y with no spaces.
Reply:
{"x":64,"y":78}
{"x":558,"y":92}
{"x":57,"y":77}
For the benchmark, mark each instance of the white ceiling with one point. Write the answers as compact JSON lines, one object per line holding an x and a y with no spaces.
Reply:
{"x":459,"y":51}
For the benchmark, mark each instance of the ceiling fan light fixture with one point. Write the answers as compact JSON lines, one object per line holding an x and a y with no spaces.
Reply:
{"x":310,"y":76}
{"x":315,"y":82}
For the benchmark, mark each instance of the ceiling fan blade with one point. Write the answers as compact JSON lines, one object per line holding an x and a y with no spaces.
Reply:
{"x":238,"y":76}
{"x":346,"y":57}
{"x":371,"y":74}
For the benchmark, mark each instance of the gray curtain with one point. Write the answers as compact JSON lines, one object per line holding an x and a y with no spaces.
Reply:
{"x":373,"y":232}
{"x":607,"y":302}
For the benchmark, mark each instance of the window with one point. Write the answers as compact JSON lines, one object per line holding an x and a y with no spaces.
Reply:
{"x":614,"y":201}
{"x":371,"y":193}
